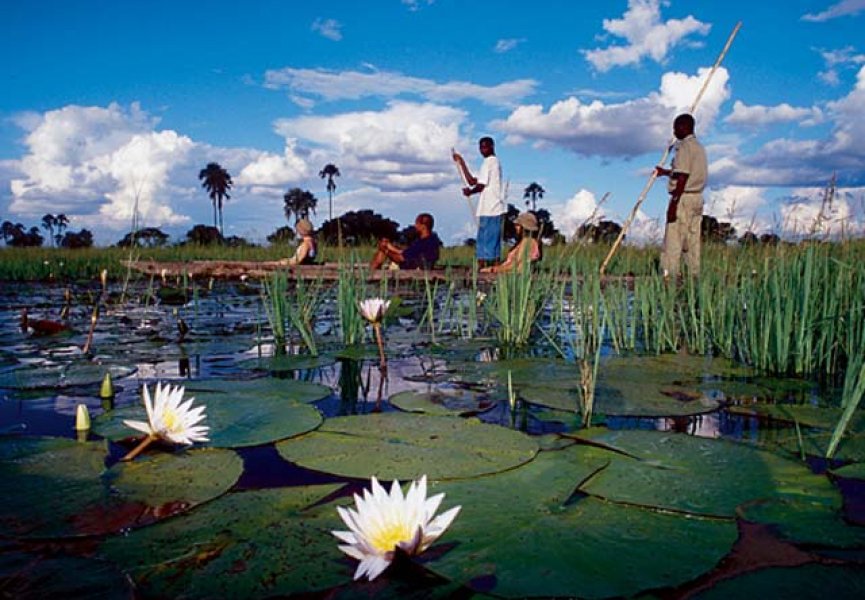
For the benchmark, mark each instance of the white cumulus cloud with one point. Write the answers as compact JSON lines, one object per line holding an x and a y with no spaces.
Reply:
{"x":646,"y":36}
{"x":329,"y":28}
{"x":353,"y":85}
{"x":840,"y":9}
{"x":757,"y":115}
{"x":622,"y":129}
{"x":403,"y":147}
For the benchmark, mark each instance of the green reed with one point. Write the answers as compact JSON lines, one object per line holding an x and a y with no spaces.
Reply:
{"x":274,"y":299}
{"x":350,"y":291}
{"x":515,"y":303}
{"x":305,"y":300}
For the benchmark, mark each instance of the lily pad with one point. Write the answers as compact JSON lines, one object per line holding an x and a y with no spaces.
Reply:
{"x":545,"y":381}
{"x":248,"y":413}
{"x":850,"y":448}
{"x":27,"y":576}
{"x":61,"y":376}
{"x":286,"y":363}
{"x":405,"y":446}
{"x":254,"y":544}
{"x":805,"y":523}
{"x":804,"y":414}
{"x":62,"y":487}
{"x":807,"y":581}
{"x":545,"y":542}
{"x":698,"y":475}
{"x":451,"y":401}
{"x":854,"y":471}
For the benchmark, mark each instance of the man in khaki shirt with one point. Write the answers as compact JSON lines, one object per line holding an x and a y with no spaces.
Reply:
{"x":688,"y":173}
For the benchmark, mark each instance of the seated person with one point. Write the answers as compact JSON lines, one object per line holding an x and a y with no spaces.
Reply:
{"x":528,"y":246}
{"x":421,"y":254}
{"x":306,"y":249}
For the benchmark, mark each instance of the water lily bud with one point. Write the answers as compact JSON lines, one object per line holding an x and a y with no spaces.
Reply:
{"x":107,"y":388}
{"x":104,"y":278}
{"x":82,"y":418}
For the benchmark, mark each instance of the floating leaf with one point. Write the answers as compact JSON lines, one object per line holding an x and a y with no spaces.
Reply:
{"x":404,"y":446}
{"x":804,"y":414}
{"x":805,"y":523}
{"x":806,"y":581}
{"x":25,"y":575}
{"x":245,"y":545}
{"x":62,"y":487}
{"x":61,"y":376}
{"x":521,"y":533}
{"x":239,"y":413}
{"x":698,"y":475}
{"x":445,"y":401}
{"x":286,"y":363}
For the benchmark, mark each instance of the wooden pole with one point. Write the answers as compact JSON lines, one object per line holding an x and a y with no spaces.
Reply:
{"x":466,"y":183}
{"x":663,"y":160}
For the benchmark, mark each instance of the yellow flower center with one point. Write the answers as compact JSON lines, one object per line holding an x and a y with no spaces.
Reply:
{"x":386,"y":538}
{"x":169,"y":418}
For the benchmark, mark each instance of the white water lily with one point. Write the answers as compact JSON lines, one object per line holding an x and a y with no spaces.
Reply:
{"x":169,"y":418}
{"x":373,"y":309}
{"x":384,"y":522}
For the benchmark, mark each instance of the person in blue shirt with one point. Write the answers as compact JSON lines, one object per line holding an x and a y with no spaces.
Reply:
{"x":421,"y":254}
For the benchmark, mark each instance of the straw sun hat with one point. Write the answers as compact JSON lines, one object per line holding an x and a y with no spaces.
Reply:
{"x":303,"y":227}
{"x":528,"y":221}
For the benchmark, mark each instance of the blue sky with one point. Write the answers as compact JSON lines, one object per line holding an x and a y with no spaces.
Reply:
{"x":107,"y":102}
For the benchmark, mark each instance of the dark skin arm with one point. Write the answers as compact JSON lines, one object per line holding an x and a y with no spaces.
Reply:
{"x":681,"y":179}
{"x":473,"y":186}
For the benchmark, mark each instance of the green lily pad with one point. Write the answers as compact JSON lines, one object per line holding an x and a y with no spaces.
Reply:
{"x":805,"y":523}
{"x":698,"y":475}
{"x":807,"y":581}
{"x":256,"y":544}
{"x":367,"y":352}
{"x":285,"y":363}
{"x":545,"y":381}
{"x":63,"y":489}
{"x":450,"y":401}
{"x":29,"y":576}
{"x":854,"y":471}
{"x":406,"y":446}
{"x":247,"y":413}
{"x":804,"y":414}
{"x":542,"y":542}
{"x":850,"y":448}
{"x":62,"y":376}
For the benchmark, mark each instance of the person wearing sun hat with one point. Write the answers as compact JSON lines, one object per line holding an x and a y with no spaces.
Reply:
{"x":528,"y":247}
{"x":306,"y":249}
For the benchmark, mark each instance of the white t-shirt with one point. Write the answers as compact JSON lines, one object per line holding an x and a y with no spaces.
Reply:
{"x":491,"y":202}
{"x":690,"y":158}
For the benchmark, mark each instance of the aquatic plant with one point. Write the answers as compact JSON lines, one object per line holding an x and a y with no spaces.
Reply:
{"x":374,"y":310}
{"x":169,"y":419}
{"x":516,"y":302}
{"x":383,"y":523}
{"x":276,"y":308}
{"x":349,"y":291}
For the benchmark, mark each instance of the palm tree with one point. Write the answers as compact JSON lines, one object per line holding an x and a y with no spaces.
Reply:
{"x":299,"y":203}
{"x":48,"y":222}
{"x":60,"y":223}
{"x":533,"y":193}
{"x":217,"y":182}
{"x":330,"y":171}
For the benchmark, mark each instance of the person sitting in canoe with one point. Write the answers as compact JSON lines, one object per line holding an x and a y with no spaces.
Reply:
{"x":528,"y":247}
{"x":420,"y":254}
{"x":306,"y":249}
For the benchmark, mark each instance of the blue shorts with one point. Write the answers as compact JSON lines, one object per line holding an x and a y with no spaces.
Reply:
{"x":489,"y":242}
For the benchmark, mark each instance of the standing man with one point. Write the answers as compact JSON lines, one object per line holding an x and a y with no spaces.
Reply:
{"x":688,"y":173}
{"x":491,"y":205}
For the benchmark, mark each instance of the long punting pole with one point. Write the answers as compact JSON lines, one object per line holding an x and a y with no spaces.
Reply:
{"x":663,"y":160}
{"x":466,"y":183}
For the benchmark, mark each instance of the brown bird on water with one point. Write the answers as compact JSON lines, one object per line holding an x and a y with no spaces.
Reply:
{"x":41,"y":327}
